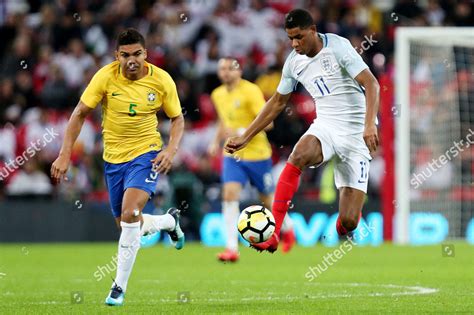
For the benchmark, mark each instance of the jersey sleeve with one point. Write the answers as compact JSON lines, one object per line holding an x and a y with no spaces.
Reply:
{"x":257,"y":100}
{"x":348,"y":58}
{"x":171,"y":104}
{"x":287,"y":82}
{"x":95,"y":90}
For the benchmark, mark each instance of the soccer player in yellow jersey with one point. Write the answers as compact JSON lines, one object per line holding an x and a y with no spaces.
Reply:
{"x":131,"y":92}
{"x":237,"y":103}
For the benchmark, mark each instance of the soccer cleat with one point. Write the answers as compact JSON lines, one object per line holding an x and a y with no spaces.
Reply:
{"x":228,"y":256}
{"x":115,"y":297}
{"x":176,"y":236}
{"x":270,"y":245}
{"x":288,"y":240}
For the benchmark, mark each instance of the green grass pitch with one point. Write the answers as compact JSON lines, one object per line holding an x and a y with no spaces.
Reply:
{"x":59,"y":279}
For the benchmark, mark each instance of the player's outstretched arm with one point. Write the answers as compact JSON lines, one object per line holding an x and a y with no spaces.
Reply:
{"x":164,"y":159}
{"x":270,"y":111}
{"x":215,"y":143}
{"x":74,"y":126}
{"x":372,"y":95}
{"x":269,"y":127}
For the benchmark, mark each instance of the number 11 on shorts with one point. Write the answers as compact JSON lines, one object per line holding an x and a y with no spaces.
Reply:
{"x":363,"y":172}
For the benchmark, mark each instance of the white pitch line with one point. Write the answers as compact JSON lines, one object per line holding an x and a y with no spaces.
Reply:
{"x":404,"y":290}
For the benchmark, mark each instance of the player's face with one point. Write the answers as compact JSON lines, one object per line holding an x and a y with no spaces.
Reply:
{"x":302,"y":40}
{"x":132,"y":58}
{"x":228,"y":71}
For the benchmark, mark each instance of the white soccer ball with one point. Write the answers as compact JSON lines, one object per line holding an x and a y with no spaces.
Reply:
{"x":256,"y":224}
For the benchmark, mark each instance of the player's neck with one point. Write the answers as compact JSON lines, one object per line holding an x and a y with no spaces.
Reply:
{"x":142,"y":74}
{"x":317,"y":47}
{"x":232,"y":85}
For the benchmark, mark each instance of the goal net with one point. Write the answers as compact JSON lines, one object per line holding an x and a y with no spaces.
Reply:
{"x":434,"y":114}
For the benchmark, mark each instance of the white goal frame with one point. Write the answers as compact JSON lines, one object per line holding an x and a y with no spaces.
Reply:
{"x":403,"y":37}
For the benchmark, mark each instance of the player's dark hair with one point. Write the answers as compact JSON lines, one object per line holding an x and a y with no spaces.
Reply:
{"x":130,"y":36}
{"x":298,"y":18}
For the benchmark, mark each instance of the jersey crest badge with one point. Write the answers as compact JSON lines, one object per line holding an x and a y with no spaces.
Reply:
{"x":326,"y":65}
{"x":151,"y":96}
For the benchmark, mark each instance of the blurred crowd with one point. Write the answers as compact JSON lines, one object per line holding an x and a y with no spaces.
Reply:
{"x":49,"y":50}
{"x":442,"y":117}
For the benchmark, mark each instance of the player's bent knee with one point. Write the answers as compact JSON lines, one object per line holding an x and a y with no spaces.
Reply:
{"x":307,"y":152}
{"x":130,"y":215}
{"x":300,"y":159}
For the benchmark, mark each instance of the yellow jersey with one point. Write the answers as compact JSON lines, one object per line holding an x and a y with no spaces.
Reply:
{"x":268,"y":83}
{"x":129,"y":107}
{"x":237,"y":109}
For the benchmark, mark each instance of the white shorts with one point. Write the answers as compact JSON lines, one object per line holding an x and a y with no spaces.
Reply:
{"x":351,"y":155}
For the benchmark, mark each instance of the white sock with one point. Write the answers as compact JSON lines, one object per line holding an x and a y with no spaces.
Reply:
{"x":155,"y":223}
{"x":287,"y":224}
{"x":129,"y":243}
{"x":231,"y":212}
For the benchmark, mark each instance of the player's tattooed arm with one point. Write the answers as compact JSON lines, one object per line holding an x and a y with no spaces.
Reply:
{"x":372,"y":95}
{"x":270,"y":111}
{"x":164,"y":159}
{"x":74,"y":126}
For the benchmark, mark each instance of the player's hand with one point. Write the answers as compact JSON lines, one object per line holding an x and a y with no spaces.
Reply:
{"x":371,"y":137}
{"x":234,"y":144}
{"x":163,"y":161}
{"x":59,"y":168}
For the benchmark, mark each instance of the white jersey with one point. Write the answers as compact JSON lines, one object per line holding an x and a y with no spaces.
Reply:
{"x":329,"y":78}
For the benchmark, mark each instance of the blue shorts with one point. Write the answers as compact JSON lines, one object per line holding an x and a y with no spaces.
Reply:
{"x":137,"y":173}
{"x":258,"y":172}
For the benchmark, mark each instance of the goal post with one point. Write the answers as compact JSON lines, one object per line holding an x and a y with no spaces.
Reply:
{"x":429,"y":119}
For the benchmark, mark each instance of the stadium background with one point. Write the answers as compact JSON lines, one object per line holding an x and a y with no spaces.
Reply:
{"x":50,"y":50}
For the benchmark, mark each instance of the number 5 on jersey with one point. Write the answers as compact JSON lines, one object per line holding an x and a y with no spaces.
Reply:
{"x":132,"y":112}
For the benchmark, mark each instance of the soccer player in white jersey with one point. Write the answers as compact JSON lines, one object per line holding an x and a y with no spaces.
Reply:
{"x":347,"y":97}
